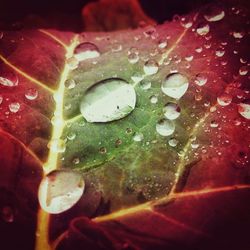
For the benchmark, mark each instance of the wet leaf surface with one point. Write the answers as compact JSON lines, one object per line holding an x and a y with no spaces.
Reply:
{"x":171,"y":171}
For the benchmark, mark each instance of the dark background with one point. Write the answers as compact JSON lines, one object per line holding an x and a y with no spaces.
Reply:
{"x":12,"y":12}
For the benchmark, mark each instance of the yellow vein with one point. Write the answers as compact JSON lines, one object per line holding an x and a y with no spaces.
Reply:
{"x":44,"y":86}
{"x":54,"y":38}
{"x":51,"y":164}
{"x":148,"y":205}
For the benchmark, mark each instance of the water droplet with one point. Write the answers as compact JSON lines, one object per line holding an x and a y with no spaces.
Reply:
{"x":116,"y":47}
{"x":71,"y":136}
{"x":31,"y":94}
{"x":72,"y":63}
{"x":189,"y":58}
{"x":151,"y":67}
{"x":60,"y":190}
{"x":145,"y":85}
{"x":238,"y":34}
{"x":165,"y":127}
{"x":162,"y":44}
{"x":86,"y":51}
{"x":1,"y":99}
{"x":199,"y":49}
{"x":214,"y":124}
{"x":173,"y":142}
{"x":70,"y":83}
{"x":57,"y":145}
{"x":14,"y":107}
{"x":220,"y":52}
{"x":214,"y":14}
{"x":133,"y":58}
{"x":203,"y":29}
{"x":138,"y":137}
{"x":76,"y":161}
{"x":153,"y":99}
{"x":175,"y":85}
{"x":244,"y":110}
{"x":224,"y":99}
{"x":194,"y":145}
{"x":243,"y":70}
{"x":7,"y":214}
{"x":103,"y":150}
{"x":108,"y":100}
{"x":200,"y":79}
{"x":186,"y":22}
{"x":8,"y":79}
{"x":171,"y":111}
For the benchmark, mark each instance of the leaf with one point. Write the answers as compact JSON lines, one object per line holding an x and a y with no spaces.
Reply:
{"x":163,"y":180}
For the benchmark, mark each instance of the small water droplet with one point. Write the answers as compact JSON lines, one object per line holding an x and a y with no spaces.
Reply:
{"x":194,"y":145}
{"x":145,"y":85}
{"x":162,"y":44}
{"x":198,"y":49}
{"x":214,"y":124}
{"x":31,"y":94}
{"x":151,"y":67}
{"x":203,"y":29}
{"x":1,"y":99}
{"x":14,"y":107}
{"x":72,"y":63}
{"x":200,"y":79}
{"x":76,"y":161}
{"x":220,"y":52}
{"x":214,"y":14}
{"x":57,"y":145}
{"x":102,"y":150}
{"x":186,"y":22}
{"x":244,"y":110}
{"x":70,"y":83}
{"x":86,"y":51}
{"x":171,"y":111}
{"x":116,"y":47}
{"x":133,"y":58}
{"x":60,"y":190}
{"x":71,"y":136}
{"x":243,"y":70}
{"x":189,"y":58}
{"x":108,"y":100}
{"x":173,"y":142}
{"x":224,"y":99}
{"x":175,"y":85}
{"x":238,"y":34}
{"x":9,"y":79}
{"x":165,"y":127}
{"x":153,"y":99}
{"x":138,"y":137}
{"x":7,"y":214}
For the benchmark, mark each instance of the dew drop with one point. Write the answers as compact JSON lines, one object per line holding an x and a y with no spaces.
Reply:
{"x":165,"y":127}
{"x":203,"y":29}
{"x":71,"y":136}
{"x":76,"y":161}
{"x":200,"y":79}
{"x":224,"y":99}
{"x":153,"y":99}
{"x":133,"y":58}
{"x":244,"y":110}
{"x":57,"y":145}
{"x":151,"y":67}
{"x":72,"y":63}
{"x":31,"y":94}
{"x":162,"y":44}
{"x":70,"y":83}
{"x":214,"y":124}
{"x":243,"y":70}
{"x":175,"y":85}
{"x":60,"y":190}
{"x":189,"y":58}
{"x":108,"y":100}
{"x":186,"y":22}
{"x":145,"y":85}
{"x":9,"y":79}
{"x":14,"y":107}
{"x":86,"y":51}
{"x":138,"y":137}
{"x":116,"y":47}
{"x":214,"y":14}
{"x":173,"y":142}
{"x":220,"y":52}
{"x":171,"y":111}
{"x":238,"y":34}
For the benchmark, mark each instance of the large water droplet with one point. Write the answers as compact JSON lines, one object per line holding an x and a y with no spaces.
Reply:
{"x":108,"y":100}
{"x":86,"y":51}
{"x":31,"y":94}
{"x":214,"y":14}
{"x":60,"y":190}
{"x":14,"y":107}
{"x":151,"y":67}
{"x":202,"y":29}
{"x":171,"y":111}
{"x":224,"y":99}
{"x":165,"y":127}
{"x":244,"y":110}
{"x":70,"y":83}
{"x":175,"y":85}
{"x":8,"y":79}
